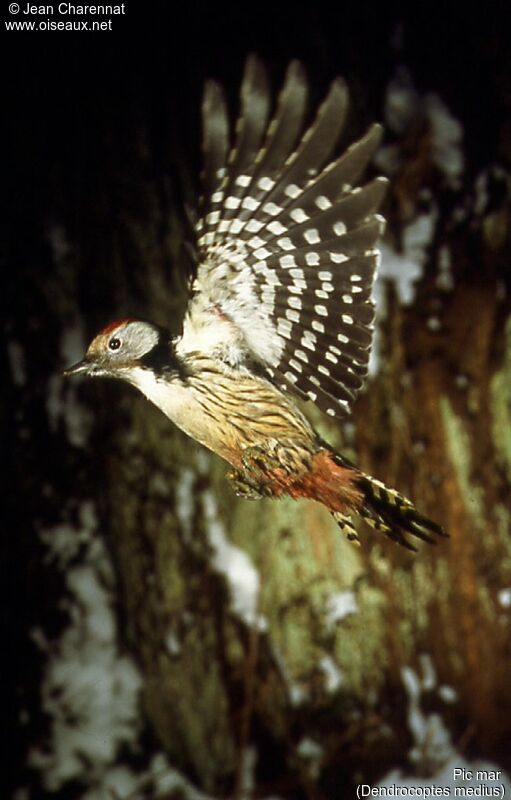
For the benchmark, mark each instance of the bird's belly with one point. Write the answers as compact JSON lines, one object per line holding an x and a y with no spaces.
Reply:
{"x":182,"y":406}
{"x":228,"y":413}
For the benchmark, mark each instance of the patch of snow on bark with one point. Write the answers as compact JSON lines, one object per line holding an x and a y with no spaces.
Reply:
{"x":235,"y":564}
{"x":340,"y":605}
{"x":90,"y":688}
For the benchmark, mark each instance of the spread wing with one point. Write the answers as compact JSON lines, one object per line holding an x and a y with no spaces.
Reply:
{"x":286,"y":241}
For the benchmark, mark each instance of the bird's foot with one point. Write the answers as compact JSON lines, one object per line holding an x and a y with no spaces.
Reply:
{"x":243,"y":486}
{"x":251,"y":482}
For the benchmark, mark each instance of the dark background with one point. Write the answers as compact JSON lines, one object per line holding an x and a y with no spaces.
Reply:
{"x":73,"y":107}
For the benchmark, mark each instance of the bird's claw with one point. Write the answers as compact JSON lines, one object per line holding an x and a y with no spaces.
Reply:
{"x":244,"y":487}
{"x":251,"y":482}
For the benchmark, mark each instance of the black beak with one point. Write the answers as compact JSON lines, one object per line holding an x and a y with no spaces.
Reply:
{"x":82,"y":366}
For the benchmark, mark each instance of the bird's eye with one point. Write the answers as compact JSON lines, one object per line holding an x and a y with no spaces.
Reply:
{"x":114,"y":343}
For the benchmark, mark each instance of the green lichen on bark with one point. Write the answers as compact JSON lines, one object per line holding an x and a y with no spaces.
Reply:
{"x":459,"y":449}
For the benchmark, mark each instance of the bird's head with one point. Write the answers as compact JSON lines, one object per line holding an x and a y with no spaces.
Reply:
{"x":123,"y":348}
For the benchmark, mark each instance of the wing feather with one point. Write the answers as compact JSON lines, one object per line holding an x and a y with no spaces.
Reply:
{"x":288,"y":246}
{"x":250,"y":129}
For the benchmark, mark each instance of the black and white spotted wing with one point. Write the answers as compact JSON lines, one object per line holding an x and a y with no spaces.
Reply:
{"x":287,"y":245}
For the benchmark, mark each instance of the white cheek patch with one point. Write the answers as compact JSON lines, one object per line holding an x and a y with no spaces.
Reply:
{"x":139,"y":338}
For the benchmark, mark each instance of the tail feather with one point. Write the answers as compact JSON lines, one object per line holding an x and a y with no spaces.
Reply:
{"x":346,"y":525}
{"x":388,"y":512}
{"x":395,"y":515}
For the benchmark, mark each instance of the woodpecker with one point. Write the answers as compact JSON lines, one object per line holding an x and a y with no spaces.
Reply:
{"x":280,"y":305}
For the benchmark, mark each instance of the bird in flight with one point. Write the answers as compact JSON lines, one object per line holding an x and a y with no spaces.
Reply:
{"x":280,"y":305}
